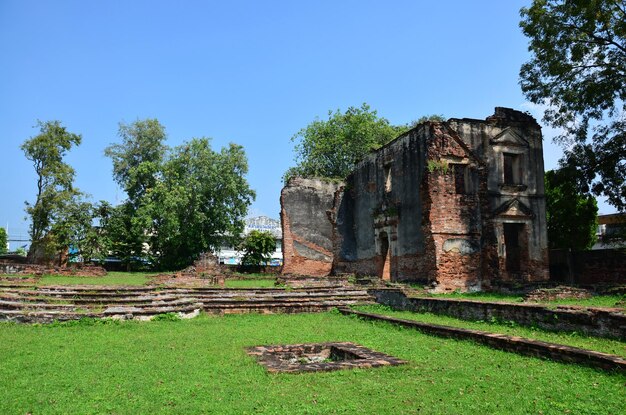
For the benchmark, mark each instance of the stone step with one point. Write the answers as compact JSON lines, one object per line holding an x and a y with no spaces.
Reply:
{"x":155,"y":302}
{"x":47,"y":316}
{"x":146,"y":296}
{"x":146,"y":299}
{"x":219,"y":301}
{"x":19,"y":305}
{"x":279,"y":307}
{"x":125,"y":312}
{"x":258,"y":304}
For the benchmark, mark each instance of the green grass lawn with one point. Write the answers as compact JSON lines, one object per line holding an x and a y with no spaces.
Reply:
{"x":251,"y":283}
{"x":200,"y":366}
{"x":112,"y":278}
{"x":254,"y":275}
{"x":595,"y":301}
{"x":598,"y":344}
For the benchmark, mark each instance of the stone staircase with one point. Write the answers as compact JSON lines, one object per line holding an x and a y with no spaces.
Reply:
{"x":29,"y":304}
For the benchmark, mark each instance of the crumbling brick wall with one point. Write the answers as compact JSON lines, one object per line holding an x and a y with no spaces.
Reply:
{"x":453,"y":188}
{"x":436,"y":205}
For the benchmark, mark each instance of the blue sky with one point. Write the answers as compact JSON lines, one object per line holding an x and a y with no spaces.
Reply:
{"x":248,"y":72}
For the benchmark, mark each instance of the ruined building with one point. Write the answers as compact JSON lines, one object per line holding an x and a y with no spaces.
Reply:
{"x":457,"y":204}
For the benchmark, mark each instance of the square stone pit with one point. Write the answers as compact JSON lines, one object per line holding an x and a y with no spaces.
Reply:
{"x":314,"y":357}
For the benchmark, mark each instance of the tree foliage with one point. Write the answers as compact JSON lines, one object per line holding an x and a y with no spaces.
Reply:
{"x":572,"y":216}
{"x":428,"y":118}
{"x":137,"y":159}
{"x":199,"y":203}
{"x":257,"y":248}
{"x":55,"y":178}
{"x":578,"y":69}
{"x":181,"y":202}
{"x":331,"y":148}
{"x":137,"y":163}
{"x":126,"y":231}
{"x":3,"y":241}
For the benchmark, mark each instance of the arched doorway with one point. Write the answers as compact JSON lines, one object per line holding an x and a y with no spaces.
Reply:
{"x":385,"y":257}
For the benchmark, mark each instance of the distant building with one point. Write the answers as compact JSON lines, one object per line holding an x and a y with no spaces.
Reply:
{"x":610,"y":227}
{"x":231,"y":256}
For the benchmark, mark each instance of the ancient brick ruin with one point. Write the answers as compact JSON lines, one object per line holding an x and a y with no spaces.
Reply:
{"x":457,"y":204}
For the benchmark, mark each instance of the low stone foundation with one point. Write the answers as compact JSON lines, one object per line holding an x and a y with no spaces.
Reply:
{"x":557,"y":293}
{"x":602,"y":322}
{"x":318,"y":357}
{"x":34,"y":269}
{"x":514,"y":344}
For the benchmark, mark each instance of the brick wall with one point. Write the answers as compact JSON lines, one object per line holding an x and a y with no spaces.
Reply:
{"x":602,"y":266}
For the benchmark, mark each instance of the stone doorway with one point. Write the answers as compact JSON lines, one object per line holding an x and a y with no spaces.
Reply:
{"x":516,"y":249}
{"x":385,"y":255}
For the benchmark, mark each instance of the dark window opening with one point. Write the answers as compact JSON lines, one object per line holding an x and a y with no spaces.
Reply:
{"x":513,"y":245}
{"x":512,"y":169}
{"x":464,"y":180}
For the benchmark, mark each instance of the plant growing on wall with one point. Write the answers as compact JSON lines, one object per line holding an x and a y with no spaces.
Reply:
{"x":439,"y":166}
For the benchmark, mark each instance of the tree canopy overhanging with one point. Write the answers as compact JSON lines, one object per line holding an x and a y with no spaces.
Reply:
{"x":331,"y":148}
{"x":578,"y":71}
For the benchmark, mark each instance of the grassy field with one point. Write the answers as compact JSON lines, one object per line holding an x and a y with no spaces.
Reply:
{"x":112,"y":278}
{"x":595,"y":301}
{"x":251,"y":283}
{"x":200,"y":366}
{"x":615,"y":347}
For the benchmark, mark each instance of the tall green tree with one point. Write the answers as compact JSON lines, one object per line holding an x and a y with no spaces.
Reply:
{"x":54,"y":180}
{"x":578,"y":70}
{"x":137,"y":163}
{"x":331,"y":148}
{"x":200,"y":202}
{"x":572,"y":216}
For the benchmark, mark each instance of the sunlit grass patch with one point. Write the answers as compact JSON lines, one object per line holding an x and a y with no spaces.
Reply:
{"x":200,"y":366}
{"x":599,"y":344}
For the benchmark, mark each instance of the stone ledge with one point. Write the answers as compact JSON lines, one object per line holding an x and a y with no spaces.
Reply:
{"x":594,"y":321}
{"x":514,"y":344}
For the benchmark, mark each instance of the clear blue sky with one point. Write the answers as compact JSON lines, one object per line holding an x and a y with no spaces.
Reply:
{"x":249,"y":72}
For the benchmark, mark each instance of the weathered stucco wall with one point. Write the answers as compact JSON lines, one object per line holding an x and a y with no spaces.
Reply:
{"x":306,"y":208}
{"x":382,"y":203}
{"x":510,"y":132}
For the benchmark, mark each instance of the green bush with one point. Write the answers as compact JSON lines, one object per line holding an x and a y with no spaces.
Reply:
{"x":257,"y":248}
{"x":3,"y":241}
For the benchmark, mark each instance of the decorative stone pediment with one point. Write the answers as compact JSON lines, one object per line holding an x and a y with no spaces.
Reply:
{"x":509,"y":137}
{"x":514,"y":208}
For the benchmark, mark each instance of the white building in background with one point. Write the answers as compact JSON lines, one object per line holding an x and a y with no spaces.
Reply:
{"x":229,"y":254}
{"x":611,"y":229}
